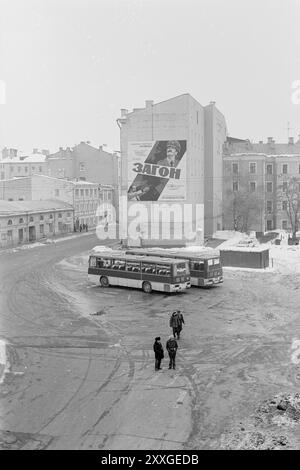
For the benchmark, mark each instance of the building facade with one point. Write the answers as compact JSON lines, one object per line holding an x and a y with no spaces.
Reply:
{"x":30,"y":221}
{"x":85,"y":197}
{"x":264,"y":178}
{"x":168,"y":150}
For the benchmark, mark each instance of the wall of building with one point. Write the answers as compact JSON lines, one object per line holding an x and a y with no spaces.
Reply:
{"x":20,"y":228}
{"x":215,"y":136}
{"x":180,"y":118}
{"x":16,"y":189}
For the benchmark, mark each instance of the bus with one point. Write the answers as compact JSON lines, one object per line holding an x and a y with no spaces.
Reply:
{"x":117,"y":268}
{"x":205,"y":268}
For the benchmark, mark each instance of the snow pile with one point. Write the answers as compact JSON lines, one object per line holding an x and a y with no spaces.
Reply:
{"x":101,"y":248}
{"x":285,"y":259}
{"x":229,"y":234}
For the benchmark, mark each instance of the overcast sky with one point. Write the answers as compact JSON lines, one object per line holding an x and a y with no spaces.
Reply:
{"x":69,"y":66}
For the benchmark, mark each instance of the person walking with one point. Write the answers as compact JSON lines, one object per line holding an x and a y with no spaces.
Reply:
{"x":171,"y":347}
{"x":176,"y":322}
{"x":159,"y":352}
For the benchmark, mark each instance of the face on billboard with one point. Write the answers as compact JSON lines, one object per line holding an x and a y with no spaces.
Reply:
{"x":157,"y":170}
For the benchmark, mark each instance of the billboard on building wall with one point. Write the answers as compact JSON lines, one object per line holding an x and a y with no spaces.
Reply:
{"x":157,"y":170}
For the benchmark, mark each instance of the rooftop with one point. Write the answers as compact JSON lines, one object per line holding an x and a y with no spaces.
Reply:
{"x":17,"y":207}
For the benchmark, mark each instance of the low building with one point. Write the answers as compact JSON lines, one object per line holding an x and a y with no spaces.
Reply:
{"x":84,"y":196}
{"x":29,"y":221}
{"x":20,"y":167}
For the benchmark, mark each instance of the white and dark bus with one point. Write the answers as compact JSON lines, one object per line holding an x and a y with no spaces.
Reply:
{"x":205,"y":268}
{"x":116,"y":268}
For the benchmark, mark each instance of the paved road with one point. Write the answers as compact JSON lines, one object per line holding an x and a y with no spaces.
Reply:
{"x":73,"y":382}
{"x":81,"y":362}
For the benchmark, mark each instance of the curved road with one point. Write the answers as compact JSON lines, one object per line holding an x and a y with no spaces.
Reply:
{"x":74,"y":381}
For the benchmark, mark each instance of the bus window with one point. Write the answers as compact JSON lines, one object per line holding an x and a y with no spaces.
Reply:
{"x":103,"y":263}
{"x":133,"y":266}
{"x":181,"y":268}
{"x":93,"y":260}
{"x":210,"y":262}
{"x":197,"y":266}
{"x":119,"y":264}
{"x":216,"y":261}
{"x":163,"y":270}
{"x":148,"y":268}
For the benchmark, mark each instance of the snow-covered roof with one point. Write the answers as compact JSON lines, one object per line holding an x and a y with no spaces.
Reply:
{"x":17,"y":207}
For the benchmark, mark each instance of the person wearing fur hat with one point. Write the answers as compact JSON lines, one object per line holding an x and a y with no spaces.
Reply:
{"x":173,"y":149}
{"x":171,"y":347}
{"x":159,"y":352}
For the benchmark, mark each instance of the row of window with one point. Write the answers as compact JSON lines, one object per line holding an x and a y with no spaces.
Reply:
{"x":86,"y":206}
{"x":269,"y":186}
{"x":269,"y":205}
{"x":269,"y":168}
{"x":19,"y":168}
{"x":131,"y":266}
{"x":31,"y":218}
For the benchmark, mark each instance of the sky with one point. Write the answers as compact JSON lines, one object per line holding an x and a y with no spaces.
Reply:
{"x":67,"y":67}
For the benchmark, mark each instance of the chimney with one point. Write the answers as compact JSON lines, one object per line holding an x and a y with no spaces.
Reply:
{"x":100,"y":147}
{"x":291,"y":140}
{"x":270,"y":140}
{"x":149,"y":104}
{"x":35,"y":151}
{"x":124,"y":112}
{"x":45,"y":152}
{"x":212,"y":103}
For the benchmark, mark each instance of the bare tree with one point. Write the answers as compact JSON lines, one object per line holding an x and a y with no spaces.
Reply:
{"x":242,"y":209}
{"x":289,"y":192}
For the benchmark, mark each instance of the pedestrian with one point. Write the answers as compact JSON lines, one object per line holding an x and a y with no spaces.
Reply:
{"x":171,"y":347}
{"x":86,"y":227}
{"x":80,"y":228}
{"x":176,"y":321}
{"x":159,"y":352}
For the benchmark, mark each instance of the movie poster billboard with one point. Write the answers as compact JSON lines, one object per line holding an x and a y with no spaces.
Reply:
{"x":157,"y":170}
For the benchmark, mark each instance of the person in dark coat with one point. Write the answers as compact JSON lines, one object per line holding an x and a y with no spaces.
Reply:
{"x":159,"y":352}
{"x":176,"y":322}
{"x":171,"y":347}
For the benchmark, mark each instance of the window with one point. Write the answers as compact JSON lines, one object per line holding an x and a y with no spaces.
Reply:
{"x":26,"y":169}
{"x":9,"y":222}
{"x":119,"y":265}
{"x":41,"y":217}
{"x":252,"y":186}
{"x":76,"y":192}
{"x":269,"y":187}
{"x":133,"y":266}
{"x":284,"y":168}
{"x":269,"y":225}
{"x":284,"y":186}
{"x":284,"y":224}
{"x":31,"y":219}
{"x":180,"y":269}
{"x":51,"y":227}
{"x":197,"y":266}
{"x":284,"y":205}
{"x":40,"y":169}
{"x":19,"y":169}
{"x":21,"y":199}
{"x":42,"y":229}
{"x":81,"y":167}
{"x":21,"y":221}
{"x":163,"y":270}
{"x":33,"y":168}
{"x":51,"y":216}
{"x":109,"y":196}
{"x":81,"y":192}
{"x":103,"y":263}
{"x":68,"y":214}
{"x":86,"y":192}
{"x":95,"y":192}
{"x":56,"y":192}
{"x":148,"y":268}
{"x":269,"y":207}
{"x":252,"y":167}
{"x":235,"y":168}
{"x":60,"y":215}
{"x":91,"y":193}
{"x":235,"y":186}
{"x":269,"y":169}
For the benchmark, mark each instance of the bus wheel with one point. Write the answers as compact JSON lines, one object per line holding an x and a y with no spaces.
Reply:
{"x":147,"y":287}
{"x":104,"y":281}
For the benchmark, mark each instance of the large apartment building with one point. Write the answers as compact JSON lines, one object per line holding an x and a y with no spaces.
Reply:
{"x":263,"y":173}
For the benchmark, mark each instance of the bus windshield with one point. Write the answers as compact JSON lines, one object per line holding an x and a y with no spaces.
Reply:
{"x":181,"y":269}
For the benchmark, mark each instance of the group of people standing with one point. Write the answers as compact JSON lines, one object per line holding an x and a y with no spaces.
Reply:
{"x":176,"y":321}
